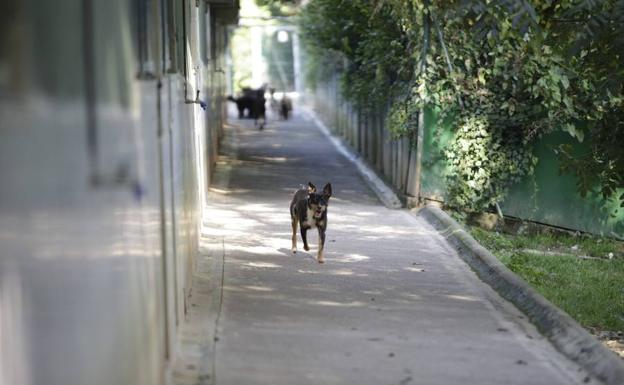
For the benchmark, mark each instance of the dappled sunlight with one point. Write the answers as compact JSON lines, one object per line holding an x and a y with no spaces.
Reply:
{"x":210,"y":231}
{"x":369,"y":226}
{"x":262,"y":265}
{"x":259,"y":288}
{"x":343,"y":272}
{"x":228,"y":192}
{"x":415,"y":269}
{"x":263,"y":250}
{"x":411,"y":296}
{"x":351,"y":258}
{"x":234,"y":288}
{"x":245,"y":264}
{"x":229,"y":162}
{"x":274,"y":159}
{"x":268,"y":212}
{"x":323,"y":288}
{"x":367,"y":229}
{"x":249,"y":220}
{"x":373,"y":237}
{"x":278,"y":218}
{"x":420,"y":297}
{"x":261,"y":246}
{"x":274,"y":296}
{"x":463,"y":298}
{"x":339,"y":200}
{"x":256,"y":294}
{"x":227,"y":217}
{"x":404,"y":302}
{"x":337,"y":304}
{"x":339,"y":272}
{"x":372,"y":292}
{"x":364,"y":214}
{"x":257,"y":207}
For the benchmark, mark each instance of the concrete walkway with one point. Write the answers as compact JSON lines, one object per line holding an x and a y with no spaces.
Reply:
{"x":393,"y":304}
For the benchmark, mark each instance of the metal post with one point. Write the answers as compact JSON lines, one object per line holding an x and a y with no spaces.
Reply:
{"x":297,"y":62}
{"x":421,"y":115}
{"x":257,"y":68}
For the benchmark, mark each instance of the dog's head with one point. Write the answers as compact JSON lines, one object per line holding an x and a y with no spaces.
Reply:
{"x":318,"y":201}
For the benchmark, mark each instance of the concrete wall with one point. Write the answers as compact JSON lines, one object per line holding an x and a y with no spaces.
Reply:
{"x":103,"y":166}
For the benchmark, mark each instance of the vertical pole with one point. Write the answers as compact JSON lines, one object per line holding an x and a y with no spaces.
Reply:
{"x":296,"y":50}
{"x":257,"y":69}
{"x":421,"y":115}
{"x":184,"y":59}
{"x":447,"y":57}
{"x":89,"y":61}
{"x":229,"y":67}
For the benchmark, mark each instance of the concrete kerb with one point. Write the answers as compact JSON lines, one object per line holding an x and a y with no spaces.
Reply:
{"x":570,"y":338}
{"x":564,"y":333}
{"x":386,"y":195}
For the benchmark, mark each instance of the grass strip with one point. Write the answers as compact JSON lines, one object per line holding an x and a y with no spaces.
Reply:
{"x":584,"y":276}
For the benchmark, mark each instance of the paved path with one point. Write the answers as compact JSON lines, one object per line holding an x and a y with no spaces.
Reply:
{"x":393,"y":304}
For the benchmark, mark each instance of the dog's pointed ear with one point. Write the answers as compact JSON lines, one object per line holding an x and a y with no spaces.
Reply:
{"x":327,"y":190}
{"x":311,"y":188}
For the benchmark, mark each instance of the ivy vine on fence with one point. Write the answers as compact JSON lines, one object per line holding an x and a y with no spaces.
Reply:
{"x":506,"y":71}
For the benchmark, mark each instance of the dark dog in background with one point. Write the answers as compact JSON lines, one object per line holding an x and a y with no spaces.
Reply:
{"x":253,"y":102}
{"x":285,"y":107}
{"x":244,"y":105}
{"x":308,"y":209}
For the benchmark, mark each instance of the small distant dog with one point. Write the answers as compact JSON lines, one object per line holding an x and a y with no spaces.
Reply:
{"x":309,"y":209}
{"x":285,"y":107}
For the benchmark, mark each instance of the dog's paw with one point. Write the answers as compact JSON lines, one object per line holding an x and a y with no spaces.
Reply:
{"x":306,"y":248}
{"x":294,"y":250}
{"x":321,"y":260}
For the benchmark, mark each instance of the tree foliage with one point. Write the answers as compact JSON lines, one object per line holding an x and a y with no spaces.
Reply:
{"x":366,"y":43}
{"x":506,"y":71}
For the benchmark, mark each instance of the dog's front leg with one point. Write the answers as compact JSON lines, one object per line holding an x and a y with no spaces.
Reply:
{"x":304,"y":238}
{"x":321,"y":245}
{"x":294,"y":235}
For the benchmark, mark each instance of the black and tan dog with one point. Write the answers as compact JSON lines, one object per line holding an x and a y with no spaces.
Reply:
{"x":309,"y":209}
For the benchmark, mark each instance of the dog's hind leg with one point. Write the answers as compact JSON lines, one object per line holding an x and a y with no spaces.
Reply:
{"x":321,"y":246}
{"x":294,"y":235}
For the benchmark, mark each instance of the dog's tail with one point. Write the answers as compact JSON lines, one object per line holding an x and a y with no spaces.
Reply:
{"x":231,"y":98}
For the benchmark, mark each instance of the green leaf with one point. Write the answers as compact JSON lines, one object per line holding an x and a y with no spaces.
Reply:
{"x":554,"y":74}
{"x":574,"y":132}
{"x":481,"y":76}
{"x":565,"y":82}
